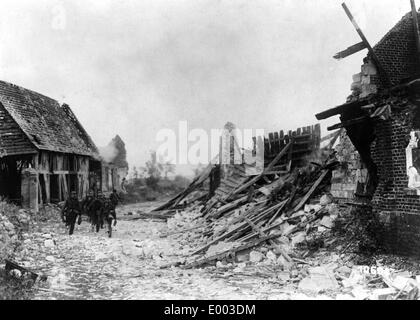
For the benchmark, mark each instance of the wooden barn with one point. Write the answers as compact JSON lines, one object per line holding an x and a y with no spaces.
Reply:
{"x":45,"y":153}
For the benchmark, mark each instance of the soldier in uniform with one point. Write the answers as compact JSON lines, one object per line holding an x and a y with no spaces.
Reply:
{"x":96,"y":212}
{"x":115,"y":198}
{"x":71,"y":211}
{"x":109,"y":214}
{"x":87,"y":205}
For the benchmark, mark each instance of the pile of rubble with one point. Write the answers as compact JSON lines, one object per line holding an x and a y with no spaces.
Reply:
{"x":12,"y":222}
{"x":268,"y":209}
{"x":281,"y":227}
{"x":287,"y":253}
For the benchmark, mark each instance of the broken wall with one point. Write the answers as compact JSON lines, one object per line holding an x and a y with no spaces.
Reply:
{"x":351,"y":175}
{"x":365,"y":82}
{"x":395,"y":203}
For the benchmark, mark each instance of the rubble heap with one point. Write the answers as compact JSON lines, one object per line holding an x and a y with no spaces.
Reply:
{"x":12,"y":222}
{"x":267,"y":208}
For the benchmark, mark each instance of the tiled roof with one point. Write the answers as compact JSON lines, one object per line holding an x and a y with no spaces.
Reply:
{"x":47,"y":125}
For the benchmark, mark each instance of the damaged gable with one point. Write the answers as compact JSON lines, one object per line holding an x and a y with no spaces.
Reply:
{"x":397,"y":54}
{"x":397,"y":51}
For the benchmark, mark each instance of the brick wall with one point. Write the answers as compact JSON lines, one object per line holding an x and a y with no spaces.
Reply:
{"x":397,"y":206}
{"x":397,"y":50}
{"x":397,"y":54}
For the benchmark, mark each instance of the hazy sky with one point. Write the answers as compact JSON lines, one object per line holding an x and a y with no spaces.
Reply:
{"x":134,"y":67}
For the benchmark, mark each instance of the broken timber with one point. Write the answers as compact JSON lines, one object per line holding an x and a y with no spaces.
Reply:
{"x":269,"y":168}
{"x":366,"y":42}
{"x":348,"y":123}
{"x":228,"y":253}
{"x":313,"y":188}
{"x":350,"y":50}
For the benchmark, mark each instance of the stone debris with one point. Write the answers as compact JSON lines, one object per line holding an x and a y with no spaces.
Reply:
{"x":91,"y":266}
{"x":382,"y":294}
{"x":319,"y":279}
{"x":255,"y":256}
{"x":49,"y":243}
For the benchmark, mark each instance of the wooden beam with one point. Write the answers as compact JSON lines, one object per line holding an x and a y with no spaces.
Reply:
{"x":350,"y":50}
{"x":329,"y":136}
{"x":366,"y":42}
{"x":268,"y":168}
{"x":333,"y":140}
{"x":230,"y":232}
{"x":313,"y":188}
{"x":341,"y":108}
{"x":348,"y":123}
{"x":416,"y":29}
{"x":275,"y":172}
{"x":47,"y":188}
{"x":226,"y":253}
{"x":413,"y":85}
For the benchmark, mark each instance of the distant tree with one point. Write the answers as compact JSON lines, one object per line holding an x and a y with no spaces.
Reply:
{"x":167,"y":167}
{"x":135,"y":173}
{"x":153,"y":170}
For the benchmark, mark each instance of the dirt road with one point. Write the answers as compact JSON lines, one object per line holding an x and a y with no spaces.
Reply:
{"x":90,"y":265}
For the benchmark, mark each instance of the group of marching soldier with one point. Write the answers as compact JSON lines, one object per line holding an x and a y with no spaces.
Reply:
{"x":99,"y":210}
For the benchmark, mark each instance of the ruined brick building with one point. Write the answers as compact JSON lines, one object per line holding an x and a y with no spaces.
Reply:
{"x":44,"y":150}
{"x":381,"y":119}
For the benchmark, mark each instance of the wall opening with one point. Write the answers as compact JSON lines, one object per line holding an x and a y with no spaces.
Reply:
{"x":10,"y":177}
{"x":54,"y":188}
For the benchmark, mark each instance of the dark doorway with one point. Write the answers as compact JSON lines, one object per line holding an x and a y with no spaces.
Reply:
{"x":43,"y":192}
{"x":10,"y":177}
{"x":54,"y":188}
{"x":73,"y":183}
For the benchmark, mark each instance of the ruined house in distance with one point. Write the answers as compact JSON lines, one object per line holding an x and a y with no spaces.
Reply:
{"x":44,"y":150}
{"x":114,"y":164}
{"x":381,"y":121}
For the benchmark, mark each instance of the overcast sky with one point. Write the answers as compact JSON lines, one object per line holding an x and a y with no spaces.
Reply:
{"x":134,"y":67}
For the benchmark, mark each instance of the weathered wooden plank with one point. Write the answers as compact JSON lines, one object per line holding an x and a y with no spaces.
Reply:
{"x":341,"y":108}
{"x":334,"y":139}
{"x":229,"y":252}
{"x":269,"y":168}
{"x":311,"y":190}
{"x":348,"y":123}
{"x":350,"y":50}
{"x":47,"y":187}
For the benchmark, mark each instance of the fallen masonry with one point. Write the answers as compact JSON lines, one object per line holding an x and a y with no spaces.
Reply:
{"x":278,"y":226}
